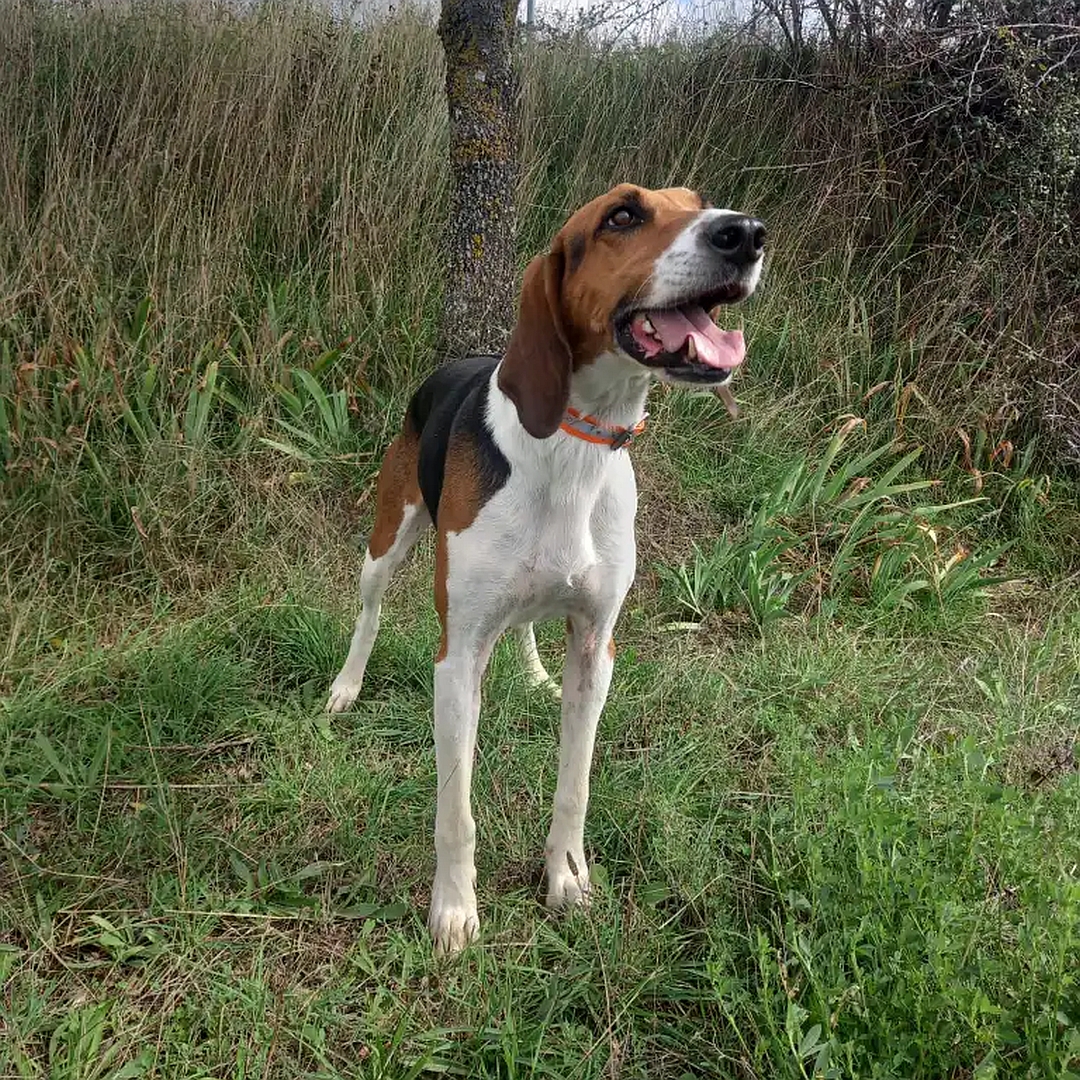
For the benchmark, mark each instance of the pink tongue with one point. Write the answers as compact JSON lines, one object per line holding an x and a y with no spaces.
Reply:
{"x":718,"y":348}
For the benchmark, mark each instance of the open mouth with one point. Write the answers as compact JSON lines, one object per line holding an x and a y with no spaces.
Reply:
{"x":684,"y":340}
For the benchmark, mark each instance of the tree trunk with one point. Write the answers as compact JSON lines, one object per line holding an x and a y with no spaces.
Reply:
{"x":478,"y":307}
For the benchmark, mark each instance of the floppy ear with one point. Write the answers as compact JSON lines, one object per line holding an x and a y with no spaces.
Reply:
{"x":535,"y":372}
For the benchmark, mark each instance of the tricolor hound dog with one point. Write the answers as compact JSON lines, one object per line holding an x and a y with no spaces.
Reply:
{"x":520,"y":464}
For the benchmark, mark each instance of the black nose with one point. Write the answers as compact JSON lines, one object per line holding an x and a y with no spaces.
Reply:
{"x":739,"y":238}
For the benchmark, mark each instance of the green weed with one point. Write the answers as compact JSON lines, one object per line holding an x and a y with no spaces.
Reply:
{"x":836,"y":529}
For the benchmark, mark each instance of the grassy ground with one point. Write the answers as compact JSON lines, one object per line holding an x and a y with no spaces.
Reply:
{"x":836,"y":814}
{"x":838,"y":839}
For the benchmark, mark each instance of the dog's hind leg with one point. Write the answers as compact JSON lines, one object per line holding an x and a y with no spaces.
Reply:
{"x":535,"y":673}
{"x":400,"y":519}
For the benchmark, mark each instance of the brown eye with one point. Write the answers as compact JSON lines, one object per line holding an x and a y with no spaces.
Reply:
{"x":622,"y":218}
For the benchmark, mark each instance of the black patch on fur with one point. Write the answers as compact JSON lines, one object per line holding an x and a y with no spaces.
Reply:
{"x":577,"y":251}
{"x":449,"y":406}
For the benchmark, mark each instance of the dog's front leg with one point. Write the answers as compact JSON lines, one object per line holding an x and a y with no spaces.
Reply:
{"x":590,"y":654}
{"x":452,"y":918}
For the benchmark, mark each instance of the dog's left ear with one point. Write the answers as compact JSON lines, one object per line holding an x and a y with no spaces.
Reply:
{"x":535,"y":372}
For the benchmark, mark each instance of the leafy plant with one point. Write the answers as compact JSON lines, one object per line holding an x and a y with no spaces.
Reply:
{"x":85,"y":1046}
{"x":150,"y":413}
{"x":318,"y":421}
{"x":744,"y":574}
{"x":850,"y":535}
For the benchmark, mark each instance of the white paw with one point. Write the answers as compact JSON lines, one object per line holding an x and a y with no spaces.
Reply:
{"x":342,"y":695}
{"x":567,"y":880}
{"x":452,"y":918}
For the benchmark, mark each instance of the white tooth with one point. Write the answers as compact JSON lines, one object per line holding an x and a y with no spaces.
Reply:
{"x":691,"y":349}
{"x":647,"y":326}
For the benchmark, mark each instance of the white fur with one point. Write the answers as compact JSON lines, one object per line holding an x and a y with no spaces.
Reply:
{"x":555,"y":541}
{"x":374,"y":578}
{"x":535,"y":673}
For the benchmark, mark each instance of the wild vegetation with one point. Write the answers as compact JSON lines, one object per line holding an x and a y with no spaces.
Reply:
{"x":836,"y":815}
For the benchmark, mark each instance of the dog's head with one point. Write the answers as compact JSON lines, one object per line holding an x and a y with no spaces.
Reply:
{"x":635,"y":273}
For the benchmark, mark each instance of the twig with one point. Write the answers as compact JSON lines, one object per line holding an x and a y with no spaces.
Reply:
{"x":223,"y":744}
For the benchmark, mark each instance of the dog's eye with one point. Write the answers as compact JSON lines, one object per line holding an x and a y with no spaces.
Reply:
{"x":622,"y":218}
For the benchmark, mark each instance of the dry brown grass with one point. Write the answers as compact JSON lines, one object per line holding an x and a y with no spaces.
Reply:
{"x":276,"y":180}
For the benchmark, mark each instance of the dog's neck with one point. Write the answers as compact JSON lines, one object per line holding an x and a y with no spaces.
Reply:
{"x":611,"y":388}
{"x":610,"y":391}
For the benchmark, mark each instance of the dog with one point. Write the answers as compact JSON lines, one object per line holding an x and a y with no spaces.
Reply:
{"x":522,"y":464}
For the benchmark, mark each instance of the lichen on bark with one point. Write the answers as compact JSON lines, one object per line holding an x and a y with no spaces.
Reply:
{"x":481,"y":93}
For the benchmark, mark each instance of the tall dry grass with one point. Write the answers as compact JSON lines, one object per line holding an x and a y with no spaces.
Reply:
{"x":274,"y":180}
{"x":205,"y":158}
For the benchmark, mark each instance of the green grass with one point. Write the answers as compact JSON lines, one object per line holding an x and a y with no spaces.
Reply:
{"x":284,"y":185}
{"x":832,"y":844}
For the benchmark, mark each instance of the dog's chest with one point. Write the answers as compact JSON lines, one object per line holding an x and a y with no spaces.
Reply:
{"x":558,"y":563}
{"x":557,"y":555}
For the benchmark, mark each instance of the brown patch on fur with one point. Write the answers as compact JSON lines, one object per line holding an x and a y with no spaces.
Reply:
{"x":459,"y":504}
{"x":397,"y":488}
{"x":440,"y":592}
{"x":575,"y":249}
{"x":616,"y":265}
{"x":535,"y":372}
{"x":611,"y":648}
{"x":570,"y":295}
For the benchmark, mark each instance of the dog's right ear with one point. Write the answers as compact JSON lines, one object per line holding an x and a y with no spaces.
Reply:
{"x":535,"y":372}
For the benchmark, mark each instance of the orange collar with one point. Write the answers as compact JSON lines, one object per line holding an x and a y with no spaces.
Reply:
{"x":592,"y":430}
